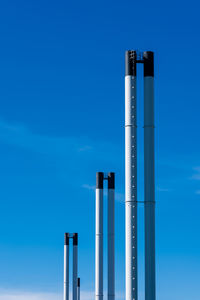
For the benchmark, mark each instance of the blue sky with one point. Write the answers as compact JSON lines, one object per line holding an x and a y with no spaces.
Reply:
{"x":62,"y":119}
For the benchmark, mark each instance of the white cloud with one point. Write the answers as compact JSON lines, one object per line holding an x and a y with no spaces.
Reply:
{"x":85,"y":148}
{"x":66,"y":151}
{"x":196,"y":175}
{"x":23,"y":295}
{"x":89,"y":187}
{"x":120,"y":197}
{"x":17,"y":295}
{"x":21,"y":136}
{"x":161,"y":189}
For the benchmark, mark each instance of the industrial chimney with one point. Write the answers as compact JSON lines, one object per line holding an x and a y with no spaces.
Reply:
{"x":100,"y":177}
{"x":131,"y":60}
{"x":75,"y":279}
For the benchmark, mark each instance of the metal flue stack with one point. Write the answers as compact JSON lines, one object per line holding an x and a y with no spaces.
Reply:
{"x":75,"y":279}
{"x":100,"y":177}
{"x":131,"y":60}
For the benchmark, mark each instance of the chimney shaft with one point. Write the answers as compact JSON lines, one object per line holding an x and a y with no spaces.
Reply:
{"x":149,"y":176}
{"x":99,"y":237}
{"x":131,"y":176}
{"x":111,"y":236}
{"x":66,"y":267}
{"x":75,"y":265}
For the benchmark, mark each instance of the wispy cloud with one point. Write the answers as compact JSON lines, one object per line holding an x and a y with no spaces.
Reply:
{"x":120,"y":197}
{"x":196,"y":175}
{"x":71,"y":156}
{"x":68,"y":148}
{"x":89,"y":187}
{"x":21,"y":295}
{"x":85,"y":148}
{"x":161,"y":189}
{"x":197,"y":192}
{"x":21,"y":136}
{"x":17,"y":295}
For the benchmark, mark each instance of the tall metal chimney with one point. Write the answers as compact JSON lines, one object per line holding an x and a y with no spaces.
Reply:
{"x":131,"y":176}
{"x":66,"y":267}
{"x":75,"y":279}
{"x":111,"y":236}
{"x":99,"y":237}
{"x":75,"y":265}
{"x":149,"y":177}
{"x":131,"y":59}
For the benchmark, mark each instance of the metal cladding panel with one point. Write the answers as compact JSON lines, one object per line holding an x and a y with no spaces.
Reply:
{"x":149,"y":188}
{"x":99,"y":246}
{"x":131,"y":187}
